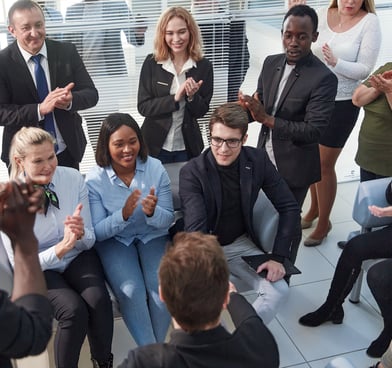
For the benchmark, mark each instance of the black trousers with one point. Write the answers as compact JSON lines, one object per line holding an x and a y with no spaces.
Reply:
{"x":373,"y":245}
{"x":379,"y":278}
{"x":82,"y":307}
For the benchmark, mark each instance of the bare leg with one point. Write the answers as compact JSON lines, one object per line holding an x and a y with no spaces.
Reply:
{"x":313,"y":211}
{"x":326,"y":189}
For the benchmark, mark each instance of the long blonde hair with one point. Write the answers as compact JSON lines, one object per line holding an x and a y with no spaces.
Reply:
{"x":161,"y":49}
{"x":367,"y":5}
{"x":22,"y":140}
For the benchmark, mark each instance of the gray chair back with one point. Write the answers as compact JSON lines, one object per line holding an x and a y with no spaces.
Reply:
{"x":370,"y":192}
{"x":265,"y":222}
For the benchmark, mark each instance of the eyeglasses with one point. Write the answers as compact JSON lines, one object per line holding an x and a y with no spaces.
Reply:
{"x":230,"y":142}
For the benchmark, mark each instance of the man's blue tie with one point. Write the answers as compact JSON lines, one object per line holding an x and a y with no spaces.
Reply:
{"x":43,"y":91}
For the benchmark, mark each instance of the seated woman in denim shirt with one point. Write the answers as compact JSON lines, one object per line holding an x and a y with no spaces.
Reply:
{"x":132,"y":210}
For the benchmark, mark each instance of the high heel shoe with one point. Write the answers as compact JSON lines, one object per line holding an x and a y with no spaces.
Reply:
{"x":312,"y":242}
{"x":322,"y":315}
{"x":306,"y":224}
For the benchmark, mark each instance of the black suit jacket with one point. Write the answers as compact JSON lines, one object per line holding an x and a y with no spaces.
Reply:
{"x":25,"y":325}
{"x":156,"y":104}
{"x":303,"y":112}
{"x":251,"y":345}
{"x":201,"y":196}
{"x":19,"y":97}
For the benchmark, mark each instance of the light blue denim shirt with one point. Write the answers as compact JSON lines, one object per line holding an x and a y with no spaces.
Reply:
{"x":71,"y":190}
{"x":108,"y":194}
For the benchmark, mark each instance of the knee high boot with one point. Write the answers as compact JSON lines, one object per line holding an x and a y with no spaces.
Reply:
{"x":332,"y":310}
{"x":379,"y":346}
{"x":379,"y":282}
{"x":107,"y":364}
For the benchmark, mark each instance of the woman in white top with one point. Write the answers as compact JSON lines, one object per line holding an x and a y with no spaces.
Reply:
{"x":349,"y":42}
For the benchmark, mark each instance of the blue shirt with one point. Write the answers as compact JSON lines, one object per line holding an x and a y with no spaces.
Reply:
{"x":71,"y":190}
{"x":108,"y":194}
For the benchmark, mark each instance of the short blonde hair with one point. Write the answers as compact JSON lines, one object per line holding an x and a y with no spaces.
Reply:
{"x":161,"y":49}
{"x":22,"y":141}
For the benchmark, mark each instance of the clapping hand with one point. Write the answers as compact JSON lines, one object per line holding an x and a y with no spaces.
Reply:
{"x":149,"y":203}
{"x":19,"y":202}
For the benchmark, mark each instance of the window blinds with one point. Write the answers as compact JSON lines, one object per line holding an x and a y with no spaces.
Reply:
{"x":104,"y":33}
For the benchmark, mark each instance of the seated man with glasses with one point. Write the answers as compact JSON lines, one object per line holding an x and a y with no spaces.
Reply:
{"x":218,"y":191}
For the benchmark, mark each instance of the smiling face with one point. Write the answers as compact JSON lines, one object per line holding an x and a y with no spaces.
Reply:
{"x":224,"y":155}
{"x":124,"y":147}
{"x":28,"y":27}
{"x":39,"y":163}
{"x":297,"y":37}
{"x":177,"y":36}
{"x":349,"y":7}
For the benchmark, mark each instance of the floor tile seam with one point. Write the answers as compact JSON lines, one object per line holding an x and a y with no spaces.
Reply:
{"x":330,"y":357}
{"x":293,"y":342}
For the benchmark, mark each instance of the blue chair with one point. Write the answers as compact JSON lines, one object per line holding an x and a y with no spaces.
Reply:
{"x":370,"y":192}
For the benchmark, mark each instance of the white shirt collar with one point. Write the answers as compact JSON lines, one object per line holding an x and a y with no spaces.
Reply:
{"x":26,"y":55}
{"x":169,"y":66}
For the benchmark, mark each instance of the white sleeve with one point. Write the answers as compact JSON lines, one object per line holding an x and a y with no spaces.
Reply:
{"x":367,"y":54}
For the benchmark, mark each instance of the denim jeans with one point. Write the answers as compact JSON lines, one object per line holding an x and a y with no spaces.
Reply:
{"x":270,"y":295}
{"x":132,"y":272}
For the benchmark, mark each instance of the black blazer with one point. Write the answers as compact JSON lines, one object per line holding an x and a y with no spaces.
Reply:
{"x":251,"y":345}
{"x":156,"y":104}
{"x":19,"y":97}
{"x":303,"y":112}
{"x":201,"y":196}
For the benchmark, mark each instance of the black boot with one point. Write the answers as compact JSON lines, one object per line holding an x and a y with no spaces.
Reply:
{"x":379,"y":346}
{"x":107,"y":364}
{"x":327,"y":312}
{"x":342,"y":282}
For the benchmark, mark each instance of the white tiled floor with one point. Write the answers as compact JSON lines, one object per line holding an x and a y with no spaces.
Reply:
{"x":314,"y":347}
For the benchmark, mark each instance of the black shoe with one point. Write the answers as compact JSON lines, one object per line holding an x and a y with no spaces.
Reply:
{"x":342,"y":243}
{"x":321,"y":315}
{"x":379,"y":346}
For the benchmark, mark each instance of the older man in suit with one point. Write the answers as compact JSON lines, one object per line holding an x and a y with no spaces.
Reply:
{"x":294,"y":102}
{"x":23,"y":73}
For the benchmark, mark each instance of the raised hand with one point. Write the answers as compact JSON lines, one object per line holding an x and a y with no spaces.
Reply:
{"x":329,"y":56}
{"x":59,"y":98}
{"x":130,"y":204}
{"x":73,"y":230}
{"x":149,"y":203}
{"x":75,"y":222}
{"x":19,"y":203}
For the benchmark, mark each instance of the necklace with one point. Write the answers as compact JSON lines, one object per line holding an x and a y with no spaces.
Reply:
{"x":348,"y":21}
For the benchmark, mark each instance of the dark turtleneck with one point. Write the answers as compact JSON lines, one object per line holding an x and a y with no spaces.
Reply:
{"x":230,"y":224}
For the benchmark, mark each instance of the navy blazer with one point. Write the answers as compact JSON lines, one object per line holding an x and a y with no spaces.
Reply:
{"x":19,"y":98}
{"x":201,"y":196}
{"x":156,"y":104}
{"x":304,"y":110}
